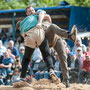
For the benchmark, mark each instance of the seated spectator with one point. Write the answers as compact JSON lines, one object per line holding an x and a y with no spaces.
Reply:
{"x":68,"y":55}
{"x":13,"y":49}
{"x":1,"y":79}
{"x":80,"y":54}
{"x":53,"y":54}
{"x":1,"y":58}
{"x":5,"y":40}
{"x":10,"y":54}
{"x":36,"y":58}
{"x":85,"y":68}
{"x":21,"y":52}
{"x":57,"y":66}
{"x":30,"y":71}
{"x":16,"y":69}
{"x":35,"y":65}
{"x":41,"y":69}
{"x":10,"y":32}
{"x":74,"y":67}
{"x":17,"y":64}
{"x":36,"y":55}
{"x":88,"y":49}
{"x":11,"y":38}
{"x":0,"y":30}
{"x":78,"y":43}
{"x":19,"y":41}
{"x":56,"y":63}
{"x":6,"y":65}
{"x":6,"y":31}
{"x":88,"y":43}
{"x":0,"y":36}
{"x":2,"y":48}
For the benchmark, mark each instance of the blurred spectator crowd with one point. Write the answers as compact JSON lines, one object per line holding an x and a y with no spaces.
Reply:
{"x":12,"y":52}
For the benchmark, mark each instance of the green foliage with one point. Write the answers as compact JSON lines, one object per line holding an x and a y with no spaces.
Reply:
{"x":19,"y":4}
{"x":82,"y":3}
{"x":13,"y":4}
{"x":47,"y":3}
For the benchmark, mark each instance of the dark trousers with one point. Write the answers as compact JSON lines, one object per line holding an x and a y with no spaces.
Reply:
{"x":73,"y":76}
{"x":83,"y":75}
{"x":60,"y":49}
{"x":44,"y":47}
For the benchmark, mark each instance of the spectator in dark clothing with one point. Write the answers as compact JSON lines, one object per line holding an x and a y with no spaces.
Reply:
{"x":85,"y":73}
{"x":11,"y":37}
{"x":1,"y":58}
{"x":42,"y":69}
{"x":42,"y":66}
{"x":68,"y":55}
{"x":1,"y":79}
{"x":16,"y":69}
{"x":74,"y":67}
{"x":20,"y":39}
{"x":5,"y":40}
{"x":57,"y":68}
{"x":0,"y":36}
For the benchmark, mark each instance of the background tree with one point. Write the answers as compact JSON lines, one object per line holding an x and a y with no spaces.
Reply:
{"x":21,"y":4}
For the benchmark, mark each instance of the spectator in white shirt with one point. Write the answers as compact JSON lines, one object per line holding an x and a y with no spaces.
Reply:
{"x":78,"y":43}
{"x":80,"y":54}
{"x":2,"y":48}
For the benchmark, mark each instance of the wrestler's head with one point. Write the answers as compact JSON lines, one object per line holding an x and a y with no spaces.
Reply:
{"x":30,"y":10}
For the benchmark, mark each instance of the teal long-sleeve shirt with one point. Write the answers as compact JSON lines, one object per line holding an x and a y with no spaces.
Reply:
{"x":28,"y":23}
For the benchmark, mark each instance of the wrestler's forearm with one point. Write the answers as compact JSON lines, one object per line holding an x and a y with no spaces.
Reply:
{"x":41,"y":17}
{"x":47,"y":17}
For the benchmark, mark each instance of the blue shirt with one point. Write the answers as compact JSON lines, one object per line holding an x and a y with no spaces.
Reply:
{"x":15,"y":51}
{"x":7,"y":61}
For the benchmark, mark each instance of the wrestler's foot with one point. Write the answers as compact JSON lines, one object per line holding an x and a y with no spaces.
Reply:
{"x":66,"y":83}
{"x":54,"y":78}
{"x":73,"y":34}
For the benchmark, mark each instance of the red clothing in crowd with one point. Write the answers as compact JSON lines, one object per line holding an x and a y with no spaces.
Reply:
{"x":86,"y":65}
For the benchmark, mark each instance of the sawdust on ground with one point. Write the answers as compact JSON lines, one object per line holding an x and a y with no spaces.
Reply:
{"x":45,"y":84}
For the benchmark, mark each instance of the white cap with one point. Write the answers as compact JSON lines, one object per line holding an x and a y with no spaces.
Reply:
{"x":79,"y":48}
{"x":22,"y":48}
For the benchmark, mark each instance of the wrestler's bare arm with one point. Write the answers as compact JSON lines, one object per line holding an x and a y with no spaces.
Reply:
{"x":43,"y":16}
{"x":47,"y":17}
{"x":40,"y":19}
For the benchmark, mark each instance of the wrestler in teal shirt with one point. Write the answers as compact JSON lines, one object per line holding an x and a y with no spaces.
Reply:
{"x":29,"y":22}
